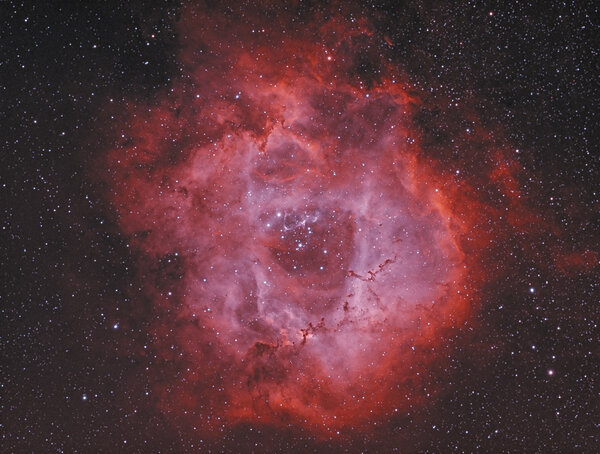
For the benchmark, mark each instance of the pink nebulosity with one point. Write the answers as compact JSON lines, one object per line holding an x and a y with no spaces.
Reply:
{"x":320,"y":257}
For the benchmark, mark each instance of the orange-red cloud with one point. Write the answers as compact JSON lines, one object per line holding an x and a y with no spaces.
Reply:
{"x":320,"y":256}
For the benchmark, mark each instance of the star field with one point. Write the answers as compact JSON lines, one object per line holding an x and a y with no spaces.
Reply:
{"x":304,"y":227}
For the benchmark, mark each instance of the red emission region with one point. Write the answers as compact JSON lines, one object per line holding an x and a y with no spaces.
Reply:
{"x":303,"y":258}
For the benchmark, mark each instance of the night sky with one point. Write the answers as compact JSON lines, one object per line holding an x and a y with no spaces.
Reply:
{"x":236,"y":227}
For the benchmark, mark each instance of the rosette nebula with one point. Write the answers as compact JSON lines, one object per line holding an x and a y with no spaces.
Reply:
{"x":300,"y":227}
{"x":304,"y":259}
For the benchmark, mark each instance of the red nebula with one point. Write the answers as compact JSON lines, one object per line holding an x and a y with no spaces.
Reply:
{"x":303,"y":258}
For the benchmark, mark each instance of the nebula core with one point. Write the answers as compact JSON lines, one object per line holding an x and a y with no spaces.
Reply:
{"x":304,"y":258}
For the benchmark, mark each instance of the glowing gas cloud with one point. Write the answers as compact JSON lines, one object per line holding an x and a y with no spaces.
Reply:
{"x":303,"y":257}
